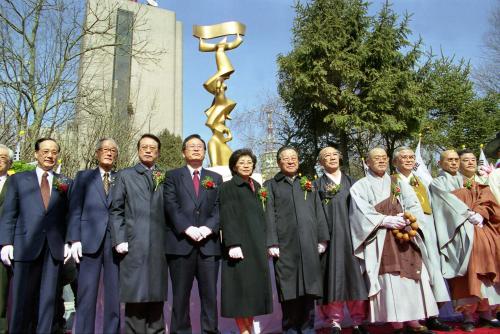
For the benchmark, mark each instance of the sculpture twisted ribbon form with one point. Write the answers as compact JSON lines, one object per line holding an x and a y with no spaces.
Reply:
{"x":218,"y":150}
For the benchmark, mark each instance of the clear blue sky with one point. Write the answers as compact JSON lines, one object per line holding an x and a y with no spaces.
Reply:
{"x":456,"y":27}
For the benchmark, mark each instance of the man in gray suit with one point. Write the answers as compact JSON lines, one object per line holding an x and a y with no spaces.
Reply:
{"x":138,"y":230}
{"x":6,"y":157}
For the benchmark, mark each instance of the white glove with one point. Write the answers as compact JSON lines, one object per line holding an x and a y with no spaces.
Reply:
{"x":67,"y":253}
{"x":321,"y":247}
{"x":273,"y":251}
{"x":7,"y":254}
{"x":122,"y":248}
{"x":235,"y":253}
{"x":393,"y":222}
{"x":76,"y":251}
{"x":205,"y":231}
{"x":476,"y":219}
{"x":194,"y":233}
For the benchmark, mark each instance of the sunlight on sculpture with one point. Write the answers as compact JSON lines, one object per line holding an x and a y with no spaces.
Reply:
{"x":218,"y":150}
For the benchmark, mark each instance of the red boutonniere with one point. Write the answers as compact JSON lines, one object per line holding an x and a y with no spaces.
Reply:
{"x":158,"y":178}
{"x":208,"y":183}
{"x":61,"y":184}
{"x":306,"y":185}
{"x":395,"y":191}
{"x":263,"y":197}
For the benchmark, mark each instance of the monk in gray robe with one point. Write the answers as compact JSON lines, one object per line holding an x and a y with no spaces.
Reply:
{"x":467,"y":219}
{"x":385,"y":215}
{"x":403,"y":159}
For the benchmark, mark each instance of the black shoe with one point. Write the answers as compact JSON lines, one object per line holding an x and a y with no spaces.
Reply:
{"x":418,"y":330}
{"x":433,"y":323}
{"x":335,"y":330}
{"x":360,"y":330}
{"x":495,"y":323}
{"x":468,"y":326}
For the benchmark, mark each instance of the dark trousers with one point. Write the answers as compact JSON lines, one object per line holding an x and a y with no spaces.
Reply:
{"x":5,"y":275}
{"x":88,"y":286}
{"x":298,"y":315}
{"x":183,"y":270}
{"x":144,"y":318}
{"x":69,"y":274}
{"x":34,"y":294}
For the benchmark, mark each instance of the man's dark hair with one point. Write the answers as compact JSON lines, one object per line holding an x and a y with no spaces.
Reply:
{"x":284,"y":148}
{"x":151,"y":136}
{"x":236,"y":155}
{"x":41,"y":140}
{"x":188,"y":138}
{"x":465,"y":151}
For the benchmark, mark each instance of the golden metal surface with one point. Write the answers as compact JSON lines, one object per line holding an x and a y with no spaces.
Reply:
{"x":218,"y":150}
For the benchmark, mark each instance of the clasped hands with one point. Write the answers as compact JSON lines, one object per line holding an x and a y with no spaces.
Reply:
{"x":198,"y":233}
{"x":475,"y":218}
{"x":394,"y":222}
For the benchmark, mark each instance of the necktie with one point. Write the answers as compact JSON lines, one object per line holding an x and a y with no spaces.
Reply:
{"x":252,"y":186}
{"x":45,"y":190}
{"x":105,"y":182}
{"x":196,"y":182}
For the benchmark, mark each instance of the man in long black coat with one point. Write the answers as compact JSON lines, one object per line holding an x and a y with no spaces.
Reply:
{"x":343,"y":280}
{"x":193,"y":245}
{"x":297,"y":234}
{"x":138,"y":228}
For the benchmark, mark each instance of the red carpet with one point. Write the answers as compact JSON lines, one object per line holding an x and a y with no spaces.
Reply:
{"x":387,"y":329}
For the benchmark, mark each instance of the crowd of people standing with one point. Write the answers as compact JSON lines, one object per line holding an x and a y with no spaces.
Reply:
{"x":389,"y":248}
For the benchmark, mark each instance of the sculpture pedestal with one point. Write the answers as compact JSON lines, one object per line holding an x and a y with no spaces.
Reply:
{"x":225,"y":172}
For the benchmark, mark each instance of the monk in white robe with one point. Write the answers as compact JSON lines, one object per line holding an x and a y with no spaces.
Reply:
{"x":396,"y":271}
{"x":467,"y":221}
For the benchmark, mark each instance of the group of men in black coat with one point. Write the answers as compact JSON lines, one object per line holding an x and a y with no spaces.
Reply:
{"x":127,"y":225}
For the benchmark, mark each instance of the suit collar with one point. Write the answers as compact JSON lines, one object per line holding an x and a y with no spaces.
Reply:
{"x":187,"y":180}
{"x":98,"y":184}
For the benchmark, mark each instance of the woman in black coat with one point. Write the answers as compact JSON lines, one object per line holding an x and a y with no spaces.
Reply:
{"x":246,"y":285}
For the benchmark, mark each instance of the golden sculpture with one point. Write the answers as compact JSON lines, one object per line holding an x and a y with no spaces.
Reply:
{"x":218,"y":150}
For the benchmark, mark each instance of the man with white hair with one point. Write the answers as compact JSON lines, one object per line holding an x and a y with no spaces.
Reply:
{"x":6,"y":157}
{"x":403,"y":159}
{"x":385,"y":215}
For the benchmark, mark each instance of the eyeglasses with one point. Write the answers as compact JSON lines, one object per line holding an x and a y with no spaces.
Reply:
{"x":407,"y":157}
{"x":47,"y":152}
{"x":108,"y":150}
{"x":290,"y":159}
{"x":148,"y":147}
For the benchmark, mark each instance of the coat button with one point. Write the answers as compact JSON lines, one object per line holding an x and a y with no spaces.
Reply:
{"x":197,"y":212}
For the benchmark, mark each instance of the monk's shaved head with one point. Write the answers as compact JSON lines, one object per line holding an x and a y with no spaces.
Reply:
{"x":377,"y":161}
{"x":446,"y":153}
{"x":377,"y":151}
{"x":449,"y":161}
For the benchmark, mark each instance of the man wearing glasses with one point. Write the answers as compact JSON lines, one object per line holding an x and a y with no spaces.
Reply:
{"x":403,"y":159}
{"x":193,"y":245}
{"x":138,"y":228}
{"x":89,"y":233}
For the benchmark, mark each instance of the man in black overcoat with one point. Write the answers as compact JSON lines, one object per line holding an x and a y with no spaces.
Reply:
{"x":297,"y":234}
{"x":138,"y":228}
{"x":193,"y":244}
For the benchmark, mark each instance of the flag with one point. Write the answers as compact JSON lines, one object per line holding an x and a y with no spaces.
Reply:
{"x":58,"y":170}
{"x":482,"y":158}
{"x":365,"y":167}
{"x":420,"y":169}
{"x":17,"y":153}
